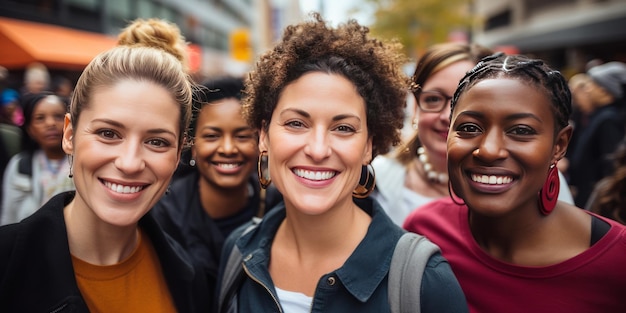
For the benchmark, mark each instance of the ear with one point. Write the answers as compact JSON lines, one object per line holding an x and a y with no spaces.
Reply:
{"x":367,"y":156}
{"x":561,"y":142}
{"x":264,"y":138}
{"x":68,"y":135}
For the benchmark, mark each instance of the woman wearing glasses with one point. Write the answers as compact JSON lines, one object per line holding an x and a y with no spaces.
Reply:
{"x":416,"y":173}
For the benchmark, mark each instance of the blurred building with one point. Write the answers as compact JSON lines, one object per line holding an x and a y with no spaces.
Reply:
{"x":225,"y":35}
{"x":566,"y":33}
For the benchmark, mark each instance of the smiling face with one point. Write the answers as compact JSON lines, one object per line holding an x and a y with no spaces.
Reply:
{"x":317,"y":141}
{"x":125,"y":150}
{"x":46,"y":126}
{"x":433,"y":127}
{"x":501,"y":145}
{"x":225,"y":147}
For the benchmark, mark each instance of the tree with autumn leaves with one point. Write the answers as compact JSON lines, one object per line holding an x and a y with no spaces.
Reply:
{"x":418,"y":24}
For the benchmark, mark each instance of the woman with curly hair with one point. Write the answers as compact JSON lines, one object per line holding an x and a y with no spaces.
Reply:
{"x":326,"y":101}
{"x":609,"y":196}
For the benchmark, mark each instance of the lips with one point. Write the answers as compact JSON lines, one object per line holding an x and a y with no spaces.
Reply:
{"x":314,"y":175}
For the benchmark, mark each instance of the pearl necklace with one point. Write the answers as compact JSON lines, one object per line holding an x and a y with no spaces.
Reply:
{"x":432,"y":175}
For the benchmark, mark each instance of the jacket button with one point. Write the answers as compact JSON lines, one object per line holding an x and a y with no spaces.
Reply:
{"x":247,"y":258}
{"x":331,"y":280}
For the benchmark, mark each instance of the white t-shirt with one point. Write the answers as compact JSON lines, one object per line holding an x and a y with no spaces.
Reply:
{"x":294,"y":302}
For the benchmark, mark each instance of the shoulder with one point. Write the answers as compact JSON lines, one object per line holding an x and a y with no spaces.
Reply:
{"x":386,"y":166}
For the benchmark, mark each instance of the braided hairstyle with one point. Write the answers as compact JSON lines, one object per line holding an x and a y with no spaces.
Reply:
{"x":533,"y":71}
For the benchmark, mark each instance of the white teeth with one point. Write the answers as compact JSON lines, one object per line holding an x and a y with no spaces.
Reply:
{"x":492,"y":179}
{"x":313,"y":175}
{"x":228,"y":165}
{"x":123,"y":189}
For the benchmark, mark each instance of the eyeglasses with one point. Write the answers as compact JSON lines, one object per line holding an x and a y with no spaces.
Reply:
{"x":431,"y":101}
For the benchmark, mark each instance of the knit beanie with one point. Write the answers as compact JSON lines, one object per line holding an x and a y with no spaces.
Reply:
{"x":611,"y":76}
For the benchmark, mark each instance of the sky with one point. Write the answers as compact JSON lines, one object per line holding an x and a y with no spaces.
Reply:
{"x":335,"y":11}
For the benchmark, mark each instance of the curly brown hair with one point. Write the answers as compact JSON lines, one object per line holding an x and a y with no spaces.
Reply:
{"x":373,"y":66}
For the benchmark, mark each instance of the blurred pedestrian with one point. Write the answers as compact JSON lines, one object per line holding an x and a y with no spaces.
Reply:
{"x":36,"y":79}
{"x":609,"y":195}
{"x":604,"y":129}
{"x":41,"y":170}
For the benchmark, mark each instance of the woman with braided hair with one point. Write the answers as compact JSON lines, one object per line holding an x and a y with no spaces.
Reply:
{"x":511,"y":244}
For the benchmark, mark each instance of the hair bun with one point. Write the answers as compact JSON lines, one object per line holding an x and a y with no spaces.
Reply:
{"x":155,"y":33}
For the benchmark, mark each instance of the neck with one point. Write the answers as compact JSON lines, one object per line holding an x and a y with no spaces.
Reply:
{"x":222,"y":202}
{"x":54,"y":154}
{"x":336,"y":232}
{"x":96,"y":242}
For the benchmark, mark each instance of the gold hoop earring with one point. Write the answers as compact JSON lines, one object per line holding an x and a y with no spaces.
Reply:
{"x":367,"y":182}
{"x":263,"y":170}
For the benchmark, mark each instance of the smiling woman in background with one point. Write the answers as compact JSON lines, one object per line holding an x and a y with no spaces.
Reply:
{"x":41,"y":170}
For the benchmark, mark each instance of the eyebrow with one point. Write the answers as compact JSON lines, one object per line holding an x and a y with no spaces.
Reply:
{"x":217,"y":129}
{"x":307,"y":115}
{"x":511,"y":117}
{"x":120,"y":125}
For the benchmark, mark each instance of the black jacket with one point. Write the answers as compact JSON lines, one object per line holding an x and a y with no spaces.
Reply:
{"x":181,"y":216}
{"x":36,"y":272}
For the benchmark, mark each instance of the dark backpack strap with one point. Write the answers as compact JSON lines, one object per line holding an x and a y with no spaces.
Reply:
{"x":233,"y":275}
{"x":25,"y":164}
{"x":408,"y":262}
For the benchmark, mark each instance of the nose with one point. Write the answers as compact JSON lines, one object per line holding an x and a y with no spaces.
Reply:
{"x":228,"y":145}
{"x":317,"y":145}
{"x":491,"y":148}
{"x":130,"y":158}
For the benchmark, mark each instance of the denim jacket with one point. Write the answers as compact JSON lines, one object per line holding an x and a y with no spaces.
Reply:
{"x":360,"y":285}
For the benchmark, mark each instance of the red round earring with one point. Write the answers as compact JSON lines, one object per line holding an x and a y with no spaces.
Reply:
{"x":549,"y":193}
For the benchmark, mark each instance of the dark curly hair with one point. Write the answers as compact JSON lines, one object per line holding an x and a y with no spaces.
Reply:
{"x":372,"y":66}
{"x":534,"y":71}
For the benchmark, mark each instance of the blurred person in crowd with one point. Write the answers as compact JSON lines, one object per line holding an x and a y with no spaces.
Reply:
{"x":10,"y":133}
{"x":609,"y":195}
{"x":96,"y":249}
{"x":511,"y":244}
{"x":326,"y":101}
{"x":41,"y":170}
{"x":220,"y":191}
{"x":36,"y":79}
{"x":416,"y":172}
{"x":605,"y":127}
{"x":62,"y":87}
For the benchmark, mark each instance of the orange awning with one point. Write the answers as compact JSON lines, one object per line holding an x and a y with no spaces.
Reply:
{"x":57,"y":47}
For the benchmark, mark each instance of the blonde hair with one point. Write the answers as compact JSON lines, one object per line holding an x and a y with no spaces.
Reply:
{"x":156,"y":32}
